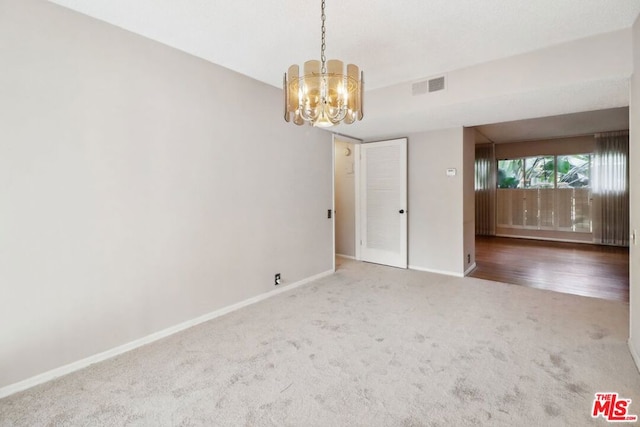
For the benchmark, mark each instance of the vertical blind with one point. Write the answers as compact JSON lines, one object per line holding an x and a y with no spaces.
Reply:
{"x":611,"y":189}
{"x":485,"y":186}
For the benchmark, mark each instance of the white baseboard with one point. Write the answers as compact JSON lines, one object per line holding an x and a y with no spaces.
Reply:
{"x":83,"y":363}
{"x":346,"y":256}
{"x":470,"y":269}
{"x":549,"y":239}
{"x":431,"y":270}
{"x":634,"y":354}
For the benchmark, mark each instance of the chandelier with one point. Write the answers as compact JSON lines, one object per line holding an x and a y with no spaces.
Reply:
{"x":323,"y":95}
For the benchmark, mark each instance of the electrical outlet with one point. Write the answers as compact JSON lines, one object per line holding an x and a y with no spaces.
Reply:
{"x":329,"y":213}
{"x":468,"y":258}
{"x":278,"y":279}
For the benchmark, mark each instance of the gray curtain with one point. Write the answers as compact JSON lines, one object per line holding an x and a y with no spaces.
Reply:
{"x":610,"y":183}
{"x":485,"y":186}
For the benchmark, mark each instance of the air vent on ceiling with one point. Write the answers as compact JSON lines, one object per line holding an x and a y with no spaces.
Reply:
{"x":435,"y":84}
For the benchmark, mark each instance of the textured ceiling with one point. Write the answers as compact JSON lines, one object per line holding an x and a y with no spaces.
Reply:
{"x":395,"y":43}
{"x":584,"y":123}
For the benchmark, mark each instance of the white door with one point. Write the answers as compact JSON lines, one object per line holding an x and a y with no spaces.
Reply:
{"x":383,"y":203}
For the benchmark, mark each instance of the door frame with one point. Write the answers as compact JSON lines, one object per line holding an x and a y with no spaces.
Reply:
{"x":356,"y":170}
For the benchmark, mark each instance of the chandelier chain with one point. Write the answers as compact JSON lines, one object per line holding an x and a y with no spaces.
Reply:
{"x":323,"y":46}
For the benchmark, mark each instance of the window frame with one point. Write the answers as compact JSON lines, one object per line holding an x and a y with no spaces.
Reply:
{"x":528,"y":194}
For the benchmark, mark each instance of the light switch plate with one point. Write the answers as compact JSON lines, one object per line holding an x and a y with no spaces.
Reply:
{"x":451,"y":172}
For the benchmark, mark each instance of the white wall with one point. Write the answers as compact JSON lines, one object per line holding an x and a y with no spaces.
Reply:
{"x":634,"y":179}
{"x":556,"y":146}
{"x":436,"y":201}
{"x":345,"y":190}
{"x":140,"y":187}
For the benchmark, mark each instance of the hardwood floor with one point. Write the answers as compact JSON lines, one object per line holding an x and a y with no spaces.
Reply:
{"x":573,"y":268}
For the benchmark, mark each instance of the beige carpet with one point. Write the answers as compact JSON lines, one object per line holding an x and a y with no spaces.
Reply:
{"x":369,"y":346}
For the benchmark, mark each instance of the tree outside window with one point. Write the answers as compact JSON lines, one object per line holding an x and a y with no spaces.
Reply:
{"x":574,"y":171}
{"x":510,"y":173}
{"x":539,"y":172}
{"x":566,"y":171}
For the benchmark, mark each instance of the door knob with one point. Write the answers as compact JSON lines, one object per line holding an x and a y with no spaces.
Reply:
{"x":401,"y":211}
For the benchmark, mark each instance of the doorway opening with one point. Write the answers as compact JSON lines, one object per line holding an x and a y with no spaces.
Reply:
{"x":552,"y":203}
{"x":370,"y":201}
{"x":345,"y":204}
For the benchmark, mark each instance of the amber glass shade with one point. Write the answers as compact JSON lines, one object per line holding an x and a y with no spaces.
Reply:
{"x":323,"y":99}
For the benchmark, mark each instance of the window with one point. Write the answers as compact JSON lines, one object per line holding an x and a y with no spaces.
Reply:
{"x":510,"y":173}
{"x":566,"y":171}
{"x":545,"y":193}
{"x":539,"y":172}
{"x":574,"y":171}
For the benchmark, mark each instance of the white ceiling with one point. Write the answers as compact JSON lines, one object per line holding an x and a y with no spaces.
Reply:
{"x":537,"y":129}
{"x":392,"y":41}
